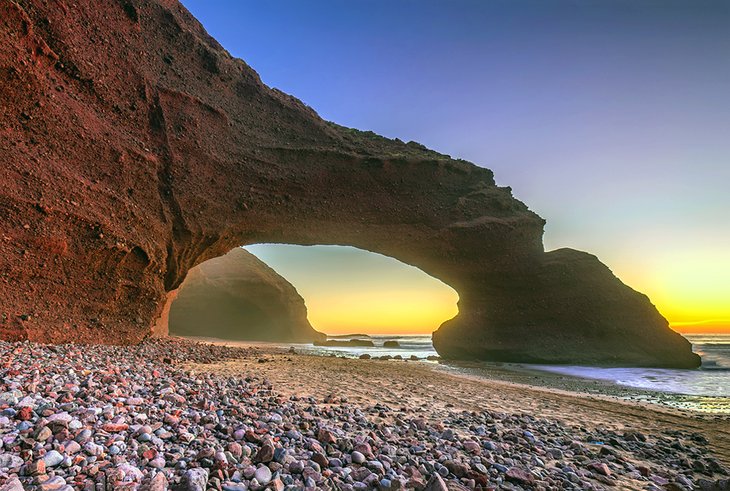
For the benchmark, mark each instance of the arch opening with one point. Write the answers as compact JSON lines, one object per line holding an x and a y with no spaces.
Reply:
{"x":292,"y":293}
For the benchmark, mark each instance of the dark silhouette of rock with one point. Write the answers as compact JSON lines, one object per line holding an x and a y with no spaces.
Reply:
{"x":134,"y":147}
{"x":391,"y":344}
{"x":575,"y":310}
{"x":236,"y":296}
{"x":345,"y":342}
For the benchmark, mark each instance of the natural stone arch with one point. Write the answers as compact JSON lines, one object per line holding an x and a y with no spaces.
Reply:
{"x":136,"y":147}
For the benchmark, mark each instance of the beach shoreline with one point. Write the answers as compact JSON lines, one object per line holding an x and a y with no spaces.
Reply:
{"x":186,"y":416}
{"x":545,"y":395}
{"x":598,"y":381}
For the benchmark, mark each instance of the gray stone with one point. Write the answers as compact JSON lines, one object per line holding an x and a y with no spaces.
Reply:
{"x":195,"y":480}
{"x":263,"y":475}
{"x":9,"y":461}
{"x":52,"y":458}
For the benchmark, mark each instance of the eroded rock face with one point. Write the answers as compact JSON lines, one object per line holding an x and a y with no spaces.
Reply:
{"x":236,"y":296}
{"x":567,"y":309}
{"x":134,"y":147}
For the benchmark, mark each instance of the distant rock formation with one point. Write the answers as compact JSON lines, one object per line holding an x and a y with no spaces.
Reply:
{"x":391,"y":344}
{"x":366,"y":343}
{"x":133,"y":147}
{"x":236,"y":296}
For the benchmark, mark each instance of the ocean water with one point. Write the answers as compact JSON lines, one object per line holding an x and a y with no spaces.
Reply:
{"x":419,"y":346}
{"x":705,"y":389}
{"x":712,"y":379}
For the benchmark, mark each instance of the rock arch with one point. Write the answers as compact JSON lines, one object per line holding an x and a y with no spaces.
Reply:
{"x":139,"y":144}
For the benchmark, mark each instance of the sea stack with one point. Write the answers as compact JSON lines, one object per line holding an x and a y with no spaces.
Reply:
{"x":237,"y":296}
{"x":575,"y":311}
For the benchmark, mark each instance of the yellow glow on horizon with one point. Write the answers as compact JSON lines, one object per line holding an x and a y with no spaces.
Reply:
{"x":691,"y":288}
{"x":349,"y":290}
{"x":382,"y":312}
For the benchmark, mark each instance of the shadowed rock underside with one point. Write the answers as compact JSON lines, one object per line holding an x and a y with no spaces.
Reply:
{"x":134,"y":147}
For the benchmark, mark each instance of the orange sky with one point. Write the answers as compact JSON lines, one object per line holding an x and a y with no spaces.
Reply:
{"x":707,"y":327}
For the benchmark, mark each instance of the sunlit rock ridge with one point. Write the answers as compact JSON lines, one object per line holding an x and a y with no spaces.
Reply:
{"x":134,"y":147}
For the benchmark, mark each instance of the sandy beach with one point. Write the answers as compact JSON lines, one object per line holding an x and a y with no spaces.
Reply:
{"x":437,"y":393}
{"x":428,"y":385}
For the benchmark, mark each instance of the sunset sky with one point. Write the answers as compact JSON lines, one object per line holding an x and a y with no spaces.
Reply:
{"x":610,"y":119}
{"x":348,"y":291}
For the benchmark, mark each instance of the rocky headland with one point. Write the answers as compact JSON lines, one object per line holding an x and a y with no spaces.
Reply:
{"x":238,"y":297}
{"x":134,"y":147}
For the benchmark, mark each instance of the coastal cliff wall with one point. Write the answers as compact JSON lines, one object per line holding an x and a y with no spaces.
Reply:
{"x":237,"y":296}
{"x":134,"y":147}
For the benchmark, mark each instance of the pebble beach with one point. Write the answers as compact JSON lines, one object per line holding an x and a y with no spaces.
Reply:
{"x":181,"y":415}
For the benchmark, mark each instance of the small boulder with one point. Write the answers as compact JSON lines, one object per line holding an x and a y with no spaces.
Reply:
{"x":194,"y":480}
{"x":436,"y":483}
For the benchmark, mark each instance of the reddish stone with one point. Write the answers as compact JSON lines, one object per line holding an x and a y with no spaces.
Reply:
{"x":365,"y":449}
{"x":325,"y":436}
{"x":321,"y":460}
{"x":251,"y":437}
{"x":115,"y":427}
{"x":265,"y":453}
{"x":521,"y":476}
{"x":149,"y":454}
{"x":601,"y":468}
{"x":24,"y":413}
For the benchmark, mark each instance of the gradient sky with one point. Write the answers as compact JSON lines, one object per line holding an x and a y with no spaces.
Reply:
{"x":611,"y":119}
{"x":350,"y":291}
